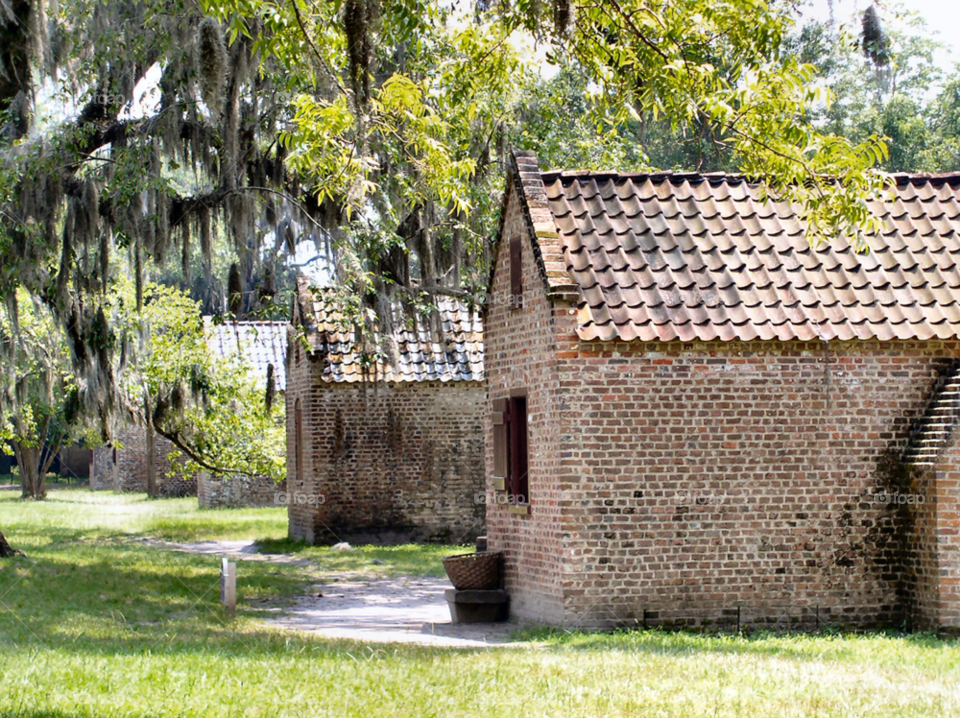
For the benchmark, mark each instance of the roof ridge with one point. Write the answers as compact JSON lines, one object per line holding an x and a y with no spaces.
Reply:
{"x":915,"y":178}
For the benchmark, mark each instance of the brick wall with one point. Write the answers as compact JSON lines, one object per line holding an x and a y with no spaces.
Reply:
{"x":703,"y":477}
{"x":520,"y":354}
{"x":237,"y":491}
{"x":103,"y":472}
{"x":383,"y":463}
{"x":933,"y":568}
{"x":132,"y":466}
{"x":682,"y":484}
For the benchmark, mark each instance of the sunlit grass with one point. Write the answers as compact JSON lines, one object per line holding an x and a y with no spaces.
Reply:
{"x":97,"y":622}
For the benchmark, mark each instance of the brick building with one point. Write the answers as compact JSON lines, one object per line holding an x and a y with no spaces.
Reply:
{"x":695,"y":418}
{"x":262,"y":347}
{"x":385,"y":450}
{"x":124,"y":467}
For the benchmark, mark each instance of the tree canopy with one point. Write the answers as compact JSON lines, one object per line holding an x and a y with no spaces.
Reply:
{"x":135,"y":134}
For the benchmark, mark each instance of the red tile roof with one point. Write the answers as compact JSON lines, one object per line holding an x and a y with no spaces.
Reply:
{"x":663,"y":256}
{"x":450,"y":348}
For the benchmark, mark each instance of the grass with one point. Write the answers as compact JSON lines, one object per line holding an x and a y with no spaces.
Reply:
{"x":50,"y":480}
{"x":97,"y":622}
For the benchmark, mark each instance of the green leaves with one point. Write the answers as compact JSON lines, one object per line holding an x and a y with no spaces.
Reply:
{"x":37,"y":386}
{"x":213,"y":405}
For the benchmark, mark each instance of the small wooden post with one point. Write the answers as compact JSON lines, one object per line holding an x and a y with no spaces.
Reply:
{"x":228,"y":587}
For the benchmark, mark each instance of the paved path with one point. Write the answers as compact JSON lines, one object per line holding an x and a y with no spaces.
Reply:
{"x":400,"y":610}
{"x":388,"y":610}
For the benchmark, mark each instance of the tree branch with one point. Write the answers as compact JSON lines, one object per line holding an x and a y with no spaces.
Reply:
{"x":174,"y":438}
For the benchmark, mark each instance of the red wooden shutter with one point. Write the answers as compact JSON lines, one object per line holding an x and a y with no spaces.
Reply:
{"x":500,"y":424}
{"x":516,"y":273}
{"x":519,"y":485}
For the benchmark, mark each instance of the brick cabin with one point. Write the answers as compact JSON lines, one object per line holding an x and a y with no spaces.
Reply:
{"x":124,"y":468}
{"x":393,"y":452}
{"x":694,"y":418}
{"x":262,"y":347}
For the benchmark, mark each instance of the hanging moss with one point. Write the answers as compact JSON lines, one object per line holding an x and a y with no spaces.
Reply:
{"x":562,"y":16}
{"x":138,"y":274}
{"x":211,"y":63}
{"x":105,"y":256}
{"x":206,"y":240}
{"x":271,"y":393}
{"x":185,"y":249}
{"x":874,"y":41}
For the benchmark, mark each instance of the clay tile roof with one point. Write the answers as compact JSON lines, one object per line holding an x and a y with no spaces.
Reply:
{"x":256,"y":344}
{"x":446,"y":346}
{"x":664,"y":256}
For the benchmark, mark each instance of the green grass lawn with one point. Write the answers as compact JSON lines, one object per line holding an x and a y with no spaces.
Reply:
{"x":96,"y":622}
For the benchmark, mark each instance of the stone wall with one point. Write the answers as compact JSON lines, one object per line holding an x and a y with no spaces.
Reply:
{"x":687,"y":484}
{"x":383,"y":464}
{"x":125,"y":469}
{"x":238,"y":491}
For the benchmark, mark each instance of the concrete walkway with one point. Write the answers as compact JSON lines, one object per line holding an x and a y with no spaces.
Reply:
{"x":389,"y":610}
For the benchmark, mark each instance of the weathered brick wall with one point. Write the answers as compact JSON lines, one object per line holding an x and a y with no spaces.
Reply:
{"x":103,"y":473}
{"x":384,"y":464}
{"x":680,"y":484}
{"x":947,"y":501}
{"x":712,"y":476}
{"x":520,"y":353}
{"x":237,"y":491}
{"x":132,"y":466}
{"x":933,"y":564}
{"x":921,"y":567}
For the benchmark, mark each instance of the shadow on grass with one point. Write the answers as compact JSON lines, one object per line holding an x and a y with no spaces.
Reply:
{"x":110,"y":594}
{"x":657,"y":641}
{"x":402,"y":560}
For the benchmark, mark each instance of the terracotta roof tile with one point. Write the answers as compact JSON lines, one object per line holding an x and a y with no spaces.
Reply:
{"x":449,"y":348}
{"x":662,"y":256}
{"x":256,"y":344}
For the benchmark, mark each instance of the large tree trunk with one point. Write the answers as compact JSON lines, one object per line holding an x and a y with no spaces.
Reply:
{"x":34,"y":466}
{"x":31,"y":477}
{"x":6,"y":550}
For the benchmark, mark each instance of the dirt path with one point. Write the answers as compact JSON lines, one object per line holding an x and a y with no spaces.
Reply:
{"x":377,"y":610}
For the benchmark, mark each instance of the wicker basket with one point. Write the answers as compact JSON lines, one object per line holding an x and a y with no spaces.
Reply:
{"x":474,"y":571}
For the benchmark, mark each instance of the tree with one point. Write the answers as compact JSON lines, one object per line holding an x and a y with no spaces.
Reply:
{"x":375,"y":128}
{"x":881,"y":69}
{"x":38,"y":395}
{"x":213,"y":411}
